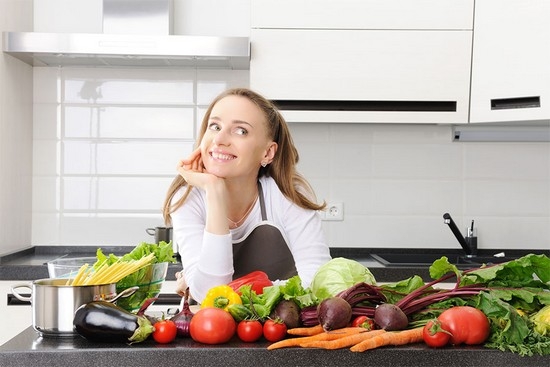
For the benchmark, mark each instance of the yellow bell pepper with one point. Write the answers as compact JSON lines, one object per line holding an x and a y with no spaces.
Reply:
{"x":221,"y":296}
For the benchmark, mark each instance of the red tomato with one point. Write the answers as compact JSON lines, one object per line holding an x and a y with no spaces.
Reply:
{"x":434,"y":335}
{"x":249,"y":331}
{"x":274,"y":330}
{"x":467,"y":325}
{"x":364,"y":322}
{"x":212,"y":325}
{"x":165,"y":331}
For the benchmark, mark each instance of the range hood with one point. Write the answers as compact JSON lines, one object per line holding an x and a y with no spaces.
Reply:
{"x":133,"y":35}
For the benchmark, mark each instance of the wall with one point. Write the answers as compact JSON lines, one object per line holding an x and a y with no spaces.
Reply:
{"x":106,"y":141}
{"x":106,"y":145}
{"x":15,"y":134}
{"x":397,"y":181}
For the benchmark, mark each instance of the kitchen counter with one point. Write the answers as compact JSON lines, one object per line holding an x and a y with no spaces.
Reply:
{"x":29,"y":349}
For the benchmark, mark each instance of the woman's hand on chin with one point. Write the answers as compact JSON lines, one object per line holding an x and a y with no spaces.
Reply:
{"x":193,"y":171}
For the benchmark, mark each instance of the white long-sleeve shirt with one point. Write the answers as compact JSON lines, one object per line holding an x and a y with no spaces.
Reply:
{"x":207,"y":258}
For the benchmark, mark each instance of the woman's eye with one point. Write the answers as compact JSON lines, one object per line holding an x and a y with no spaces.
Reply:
{"x":214,"y":126}
{"x":241,"y":131}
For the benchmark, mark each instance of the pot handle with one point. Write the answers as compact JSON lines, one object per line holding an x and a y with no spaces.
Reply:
{"x":125,"y":293}
{"x":20,"y":296}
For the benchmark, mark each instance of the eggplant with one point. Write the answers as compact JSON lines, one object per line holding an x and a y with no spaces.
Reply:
{"x":106,"y":322}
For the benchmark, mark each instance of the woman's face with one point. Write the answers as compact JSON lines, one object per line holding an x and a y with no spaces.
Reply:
{"x":236,"y":140}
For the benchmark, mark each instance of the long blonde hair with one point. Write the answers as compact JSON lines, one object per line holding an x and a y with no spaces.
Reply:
{"x":282,"y":168}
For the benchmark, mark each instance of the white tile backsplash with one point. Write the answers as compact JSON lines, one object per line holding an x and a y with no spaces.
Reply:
{"x":104,"y":155}
{"x":106,"y":145}
{"x":512,"y":161}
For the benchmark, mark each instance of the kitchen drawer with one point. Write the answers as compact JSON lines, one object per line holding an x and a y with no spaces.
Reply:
{"x":17,"y":316}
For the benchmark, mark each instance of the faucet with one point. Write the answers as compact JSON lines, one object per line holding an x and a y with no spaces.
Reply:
{"x":469,"y":244}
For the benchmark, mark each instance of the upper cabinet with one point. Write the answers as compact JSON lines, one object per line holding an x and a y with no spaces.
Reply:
{"x":393,"y":61}
{"x":511,"y":61}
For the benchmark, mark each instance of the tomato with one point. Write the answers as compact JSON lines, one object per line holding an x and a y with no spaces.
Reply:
{"x":274,"y":330}
{"x":364,"y":322}
{"x":212,"y":325}
{"x":165,"y":331}
{"x":434,"y":335}
{"x":467,"y":325}
{"x":249,"y":331}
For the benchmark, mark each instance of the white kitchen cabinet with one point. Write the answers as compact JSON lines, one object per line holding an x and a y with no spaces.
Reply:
{"x":362,"y":14}
{"x":363,"y":61}
{"x":16,"y":317}
{"x":511,"y":61}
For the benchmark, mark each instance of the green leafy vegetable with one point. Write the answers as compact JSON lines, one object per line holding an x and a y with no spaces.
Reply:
{"x":521,"y":284}
{"x":338,"y":275}
{"x":293,"y":290}
{"x":262,"y":304}
{"x":541,"y":319}
{"x":395,"y":291}
{"x":164,"y":252}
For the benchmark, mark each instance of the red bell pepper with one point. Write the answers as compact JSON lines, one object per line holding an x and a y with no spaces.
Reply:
{"x":256,"y":279}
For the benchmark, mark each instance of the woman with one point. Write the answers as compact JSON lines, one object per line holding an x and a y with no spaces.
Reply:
{"x":238,"y":203}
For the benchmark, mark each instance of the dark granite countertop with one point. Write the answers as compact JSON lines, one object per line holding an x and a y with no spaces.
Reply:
{"x":29,"y":349}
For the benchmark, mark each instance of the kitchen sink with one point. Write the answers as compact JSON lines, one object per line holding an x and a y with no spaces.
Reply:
{"x":425,"y":259}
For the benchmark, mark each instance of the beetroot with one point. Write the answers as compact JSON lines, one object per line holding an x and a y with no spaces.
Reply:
{"x":334,"y":313}
{"x":390,"y":317}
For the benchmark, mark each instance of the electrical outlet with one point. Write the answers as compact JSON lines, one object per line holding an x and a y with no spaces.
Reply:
{"x":334,"y":211}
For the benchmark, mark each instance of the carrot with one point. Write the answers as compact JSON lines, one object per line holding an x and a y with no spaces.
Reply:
{"x":306,"y":331}
{"x":343,"y":342}
{"x":328,"y":335}
{"x":390,"y":338}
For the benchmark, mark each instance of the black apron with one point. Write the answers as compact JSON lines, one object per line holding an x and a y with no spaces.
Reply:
{"x":263,"y":249}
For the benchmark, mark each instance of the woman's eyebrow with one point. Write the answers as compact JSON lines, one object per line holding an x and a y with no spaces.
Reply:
{"x":234,"y":122}
{"x":242,"y":122}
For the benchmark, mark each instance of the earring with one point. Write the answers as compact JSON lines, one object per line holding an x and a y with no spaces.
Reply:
{"x":264,"y":164}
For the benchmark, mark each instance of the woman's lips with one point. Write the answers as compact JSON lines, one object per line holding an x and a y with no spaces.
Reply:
{"x":222,"y":156}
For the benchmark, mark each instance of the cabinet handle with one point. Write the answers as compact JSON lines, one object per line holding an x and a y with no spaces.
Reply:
{"x":14,"y":301}
{"x":515,"y":102}
{"x":332,"y":105}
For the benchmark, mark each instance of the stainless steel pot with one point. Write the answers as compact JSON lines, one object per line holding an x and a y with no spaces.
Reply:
{"x":54,"y":303}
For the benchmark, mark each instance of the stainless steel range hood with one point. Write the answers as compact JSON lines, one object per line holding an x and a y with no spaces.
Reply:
{"x":157,"y":48}
{"x":82,"y":49}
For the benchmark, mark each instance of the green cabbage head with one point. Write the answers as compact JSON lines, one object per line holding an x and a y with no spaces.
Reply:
{"x":337,"y":275}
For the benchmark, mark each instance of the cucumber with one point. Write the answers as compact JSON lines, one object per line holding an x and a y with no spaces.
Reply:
{"x":239,"y":312}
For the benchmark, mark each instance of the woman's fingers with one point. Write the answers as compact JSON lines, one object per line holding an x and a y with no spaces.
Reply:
{"x":181,"y":284}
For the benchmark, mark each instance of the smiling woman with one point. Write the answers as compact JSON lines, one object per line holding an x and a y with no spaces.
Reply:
{"x":238,"y":203}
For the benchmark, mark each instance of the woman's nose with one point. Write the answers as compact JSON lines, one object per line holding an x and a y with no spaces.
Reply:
{"x":222,"y":137}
